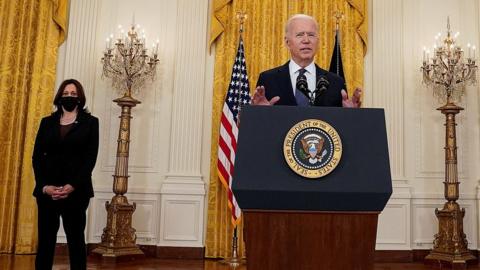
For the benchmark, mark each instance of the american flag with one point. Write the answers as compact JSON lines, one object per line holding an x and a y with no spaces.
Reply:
{"x":238,"y":95}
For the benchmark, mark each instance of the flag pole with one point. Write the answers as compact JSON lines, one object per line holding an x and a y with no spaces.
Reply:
{"x":234,"y":261}
{"x":338,"y":16}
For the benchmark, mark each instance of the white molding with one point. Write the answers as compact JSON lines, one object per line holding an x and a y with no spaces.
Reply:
{"x":188,"y":97}
{"x":188,"y":187}
{"x":441,"y":196}
{"x":183,"y":190}
{"x":388,"y":89}
{"x":135,"y":189}
{"x":394,"y":219}
{"x":181,"y":223}
{"x":401,"y":190}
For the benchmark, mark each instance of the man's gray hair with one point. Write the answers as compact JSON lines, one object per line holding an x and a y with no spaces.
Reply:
{"x":299,"y":16}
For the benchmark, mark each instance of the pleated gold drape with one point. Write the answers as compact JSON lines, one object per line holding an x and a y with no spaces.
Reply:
{"x":30,"y":33}
{"x":264,"y":49}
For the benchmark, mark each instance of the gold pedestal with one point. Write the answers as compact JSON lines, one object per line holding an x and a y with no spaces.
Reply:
{"x":450,"y":246}
{"x":118,"y":238}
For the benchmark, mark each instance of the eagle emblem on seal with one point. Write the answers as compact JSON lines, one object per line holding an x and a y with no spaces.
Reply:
{"x":312,"y":146}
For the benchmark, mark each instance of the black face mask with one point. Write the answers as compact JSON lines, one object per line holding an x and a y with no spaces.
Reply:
{"x":69,"y":103}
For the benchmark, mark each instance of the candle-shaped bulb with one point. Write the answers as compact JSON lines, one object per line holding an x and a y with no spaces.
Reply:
{"x":156,"y":46}
{"x":119,"y":32}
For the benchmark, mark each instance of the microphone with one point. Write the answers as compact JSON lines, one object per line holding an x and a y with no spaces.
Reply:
{"x":322,"y":84}
{"x":302,"y":85}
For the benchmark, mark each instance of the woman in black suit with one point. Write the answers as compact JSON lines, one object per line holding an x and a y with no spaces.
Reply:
{"x":64,"y":156}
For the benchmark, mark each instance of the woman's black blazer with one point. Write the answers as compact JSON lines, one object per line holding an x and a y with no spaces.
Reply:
{"x":69,"y":160}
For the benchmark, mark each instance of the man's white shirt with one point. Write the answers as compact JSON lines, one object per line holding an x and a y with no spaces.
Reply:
{"x":311,"y":74}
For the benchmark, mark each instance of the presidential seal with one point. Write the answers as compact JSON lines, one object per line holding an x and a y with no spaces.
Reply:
{"x":312,"y":148}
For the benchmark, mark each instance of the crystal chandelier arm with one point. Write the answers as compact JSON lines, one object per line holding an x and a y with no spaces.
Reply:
{"x":443,"y":64}
{"x":469,"y":75}
{"x":426,"y":78}
{"x":426,"y":68}
{"x":138,"y":60}
{"x":139,"y":70}
{"x":136,"y":66}
{"x":108,"y":67}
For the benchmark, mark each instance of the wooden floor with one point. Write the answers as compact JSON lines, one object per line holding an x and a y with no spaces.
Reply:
{"x":25,"y":262}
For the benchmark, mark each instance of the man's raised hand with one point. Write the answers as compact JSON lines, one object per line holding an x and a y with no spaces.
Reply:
{"x":354,"y":102}
{"x":259,"y":97}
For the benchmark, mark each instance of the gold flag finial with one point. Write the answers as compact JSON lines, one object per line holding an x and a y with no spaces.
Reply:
{"x":338,"y":16}
{"x":241,"y":16}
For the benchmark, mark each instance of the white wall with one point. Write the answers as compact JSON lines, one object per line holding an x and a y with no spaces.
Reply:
{"x":416,"y":133}
{"x":170,"y":148}
{"x":170,"y":130}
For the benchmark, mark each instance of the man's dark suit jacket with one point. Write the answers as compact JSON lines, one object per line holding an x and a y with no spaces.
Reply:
{"x":277,"y":82}
{"x":69,"y":161}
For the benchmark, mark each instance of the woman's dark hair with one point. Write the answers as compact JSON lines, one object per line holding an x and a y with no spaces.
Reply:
{"x":80,"y":95}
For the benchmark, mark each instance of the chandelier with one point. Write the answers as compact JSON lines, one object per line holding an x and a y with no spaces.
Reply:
{"x":447,"y":71}
{"x":127,"y":63}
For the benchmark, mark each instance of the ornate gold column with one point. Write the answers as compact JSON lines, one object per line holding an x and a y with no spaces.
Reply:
{"x":450,"y":245}
{"x":118,"y":238}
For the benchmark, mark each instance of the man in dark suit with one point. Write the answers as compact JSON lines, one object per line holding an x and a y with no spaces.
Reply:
{"x":300,"y":82}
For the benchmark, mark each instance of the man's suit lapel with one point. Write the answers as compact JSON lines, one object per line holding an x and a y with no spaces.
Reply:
{"x":286,"y":85}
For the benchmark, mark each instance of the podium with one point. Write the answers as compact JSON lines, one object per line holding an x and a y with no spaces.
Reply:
{"x":293,"y":222}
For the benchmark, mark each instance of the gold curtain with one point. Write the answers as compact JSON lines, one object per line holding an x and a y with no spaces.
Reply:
{"x":264,"y":49}
{"x":30,"y":33}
